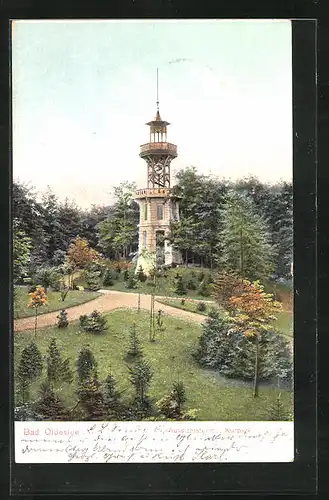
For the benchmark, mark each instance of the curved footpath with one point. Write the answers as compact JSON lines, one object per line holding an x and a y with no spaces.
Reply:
{"x":108,"y":301}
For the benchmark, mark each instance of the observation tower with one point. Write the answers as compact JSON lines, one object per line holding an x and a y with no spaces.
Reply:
{"x":158,"y":206}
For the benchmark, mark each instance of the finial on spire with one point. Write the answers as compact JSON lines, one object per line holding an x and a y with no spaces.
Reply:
{"x":157,"y":89}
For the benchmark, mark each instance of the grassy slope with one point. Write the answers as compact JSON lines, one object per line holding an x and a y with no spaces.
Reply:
{"x":171,"y":358}
{"x":284,"y":322}
{"x":55,"y":302}
{"x":188,"y":305}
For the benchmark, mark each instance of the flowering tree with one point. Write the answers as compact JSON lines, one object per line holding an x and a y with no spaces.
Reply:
{"x":38,"y":298}
{"x":79,"y":255}
{"x":254,"y":312}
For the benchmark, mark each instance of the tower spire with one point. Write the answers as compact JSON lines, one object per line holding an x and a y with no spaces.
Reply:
{"x":157,"y":89}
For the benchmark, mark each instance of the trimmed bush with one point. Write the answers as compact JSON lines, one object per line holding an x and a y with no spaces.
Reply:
{"x":93,"y":280}
{"x":94,"y":322}
{"x":201,"y":306}
{"x":109,"y":277}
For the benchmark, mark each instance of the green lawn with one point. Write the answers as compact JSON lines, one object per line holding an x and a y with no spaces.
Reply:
{"x":164,"y":285}
{"x":189,"y":305}
{"x":55,"y":303}
{"x":284,"y":321}
{"x":171,"y":358}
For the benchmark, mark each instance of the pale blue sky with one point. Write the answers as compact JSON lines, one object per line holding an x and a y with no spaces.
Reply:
{"x":83,"y":90}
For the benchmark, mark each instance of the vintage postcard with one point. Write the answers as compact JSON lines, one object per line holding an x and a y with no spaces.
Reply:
{"x":152,"y":241}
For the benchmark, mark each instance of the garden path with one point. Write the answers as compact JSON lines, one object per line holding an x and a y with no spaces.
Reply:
{"x":108,"y":301}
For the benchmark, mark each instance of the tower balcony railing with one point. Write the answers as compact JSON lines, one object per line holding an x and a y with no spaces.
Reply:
{"x":153,"y":192}
{"x":158,"y":146}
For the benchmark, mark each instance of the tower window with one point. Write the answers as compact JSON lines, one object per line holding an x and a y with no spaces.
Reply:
{"x":144,"y":239}
{"x":160,"y":212}
{"x":145,"y":211}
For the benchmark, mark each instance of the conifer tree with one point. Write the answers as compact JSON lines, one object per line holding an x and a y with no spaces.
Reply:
{"x":109,"y":277}
{"x":135,"y":349}
{"x":29,"y":369}
{"x":57,"y":368}
{"x":180,"y":288}
{"x":114,"y":407}
{"x":131,"y":281}
{"x":277,"y":410}
{"x":140,"y":376}
{"x":171,"y":405}
{"x":49,"y":405}
{"x":86,"y":364}
{"x":245,"y":240}
{"x":62,"y":319}
{"x":91,"y":398}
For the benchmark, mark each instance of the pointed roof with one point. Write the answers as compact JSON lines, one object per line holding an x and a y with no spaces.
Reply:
{"x":158,"y":120}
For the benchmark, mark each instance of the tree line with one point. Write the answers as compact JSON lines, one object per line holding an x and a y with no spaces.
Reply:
{"x":244,"y":225}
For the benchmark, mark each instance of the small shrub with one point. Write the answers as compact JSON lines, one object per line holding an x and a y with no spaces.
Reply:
{"x":131,"y":282}
{"x":140,"y":275}
{"x":47,"y":276}
{"x":204,"y":289}
{"x":171,"y":405}
{"x":93,"y":280}
{"x":125,"y":275}
{"x":183,"y":302}
{"x":109,"y":277}
{"x":94,"y":322}
{"x":57,"y":368}
{"x":26,"y":412}
{"x":200,"y":276}
{"x":201,"y":306}
{"x":191,"y":285}
{"x":62,"y":322}
{"x":159,"y":319}
{"x":180,"y":288}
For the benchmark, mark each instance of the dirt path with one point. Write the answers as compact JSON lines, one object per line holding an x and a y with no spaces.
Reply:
{"x":108,"y":301}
